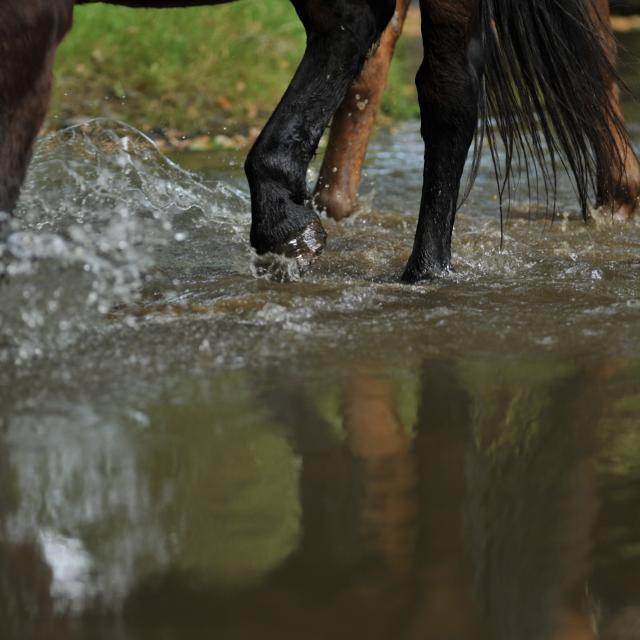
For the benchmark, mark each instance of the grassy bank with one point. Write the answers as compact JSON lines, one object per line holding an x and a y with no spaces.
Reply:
{"x":193,"y":70}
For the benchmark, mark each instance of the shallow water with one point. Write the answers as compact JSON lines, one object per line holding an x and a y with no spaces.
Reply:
{"x":190,"y":450}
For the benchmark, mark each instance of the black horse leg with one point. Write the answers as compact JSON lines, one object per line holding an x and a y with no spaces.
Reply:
{"x":340,"y":35}
{"x":29,"y":33}
{"x":448,"y":89}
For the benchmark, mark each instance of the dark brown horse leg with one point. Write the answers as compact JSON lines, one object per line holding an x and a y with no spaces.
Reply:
{"x":340,"y":175}
{"x":29,"y":33}
{"x":340,"y":34}
{"x":448,"y":90}
{"x":614,"y":190}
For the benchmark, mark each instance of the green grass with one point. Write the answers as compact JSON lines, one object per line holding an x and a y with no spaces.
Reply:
{"x":197,"y":69}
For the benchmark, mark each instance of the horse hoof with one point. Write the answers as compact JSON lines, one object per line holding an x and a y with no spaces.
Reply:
{"x":625,"y":212}
{"x":305,"y":245}
{"x":414,"y":273}
{"x":413,"y":276}
{"x":287,"y":261}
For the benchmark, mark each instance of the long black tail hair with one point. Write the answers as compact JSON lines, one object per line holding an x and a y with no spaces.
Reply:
{"x":549,"y":69}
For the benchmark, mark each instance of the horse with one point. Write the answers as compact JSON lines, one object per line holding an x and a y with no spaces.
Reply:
{"x":336,"y":191}
{"x":522,"y":62}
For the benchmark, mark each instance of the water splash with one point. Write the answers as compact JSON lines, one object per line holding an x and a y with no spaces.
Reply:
{"x":100,"y":210}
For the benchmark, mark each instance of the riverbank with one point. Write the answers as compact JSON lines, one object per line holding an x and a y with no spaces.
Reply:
{"x":201,"y":78}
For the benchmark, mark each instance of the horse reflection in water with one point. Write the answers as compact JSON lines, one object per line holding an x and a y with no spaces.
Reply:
{"x":457,"y":503}
{"x":26,"y":600}
{"x":460,"y":528}
{"x":474,"y":520}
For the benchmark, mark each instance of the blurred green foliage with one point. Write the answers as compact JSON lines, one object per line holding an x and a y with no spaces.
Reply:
{"x":197,"y":69}
{"x":227,"y":478}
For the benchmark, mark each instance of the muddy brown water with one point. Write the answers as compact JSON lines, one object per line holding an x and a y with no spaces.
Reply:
{"x":191,"y":450}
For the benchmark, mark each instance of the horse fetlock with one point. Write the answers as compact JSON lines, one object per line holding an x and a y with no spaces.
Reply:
{"x":423,"y":266}
{"x":620,"y":194}
{"x":624,"y":209}
{"x":627,"y":197}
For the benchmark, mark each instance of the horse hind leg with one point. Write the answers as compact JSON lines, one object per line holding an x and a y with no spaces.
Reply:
{"x":619,"y":186}
{"x":341,"y":172}
{"x":618,"y":182}
{"x":29,"y":33}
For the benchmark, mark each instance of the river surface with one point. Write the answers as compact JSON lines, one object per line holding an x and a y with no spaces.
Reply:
{"x":191,"y":449}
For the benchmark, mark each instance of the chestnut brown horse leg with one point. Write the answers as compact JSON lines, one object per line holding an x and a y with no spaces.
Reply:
{"x":29,"y":33}
{"x":618,"y":191}
{"x":340,"y":175}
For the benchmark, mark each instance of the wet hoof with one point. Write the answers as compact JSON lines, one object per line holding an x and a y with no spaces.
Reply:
{"x":413,"y":276}
{"x":416,"y":272}
{"x":624,"y":203}
{"x":619,"y":211}
{"x":305,"y":245}
{"x":287,"y":261}
{"x":625,"y":212}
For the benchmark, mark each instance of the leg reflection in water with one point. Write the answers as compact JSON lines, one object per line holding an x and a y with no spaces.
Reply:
{"x":444,"y":604}
{"x":26,"y":602}
{"x":482,"y":522}
{"x":450,"y":501}
{"x":382,"y":444}
{"x":532,"y":499}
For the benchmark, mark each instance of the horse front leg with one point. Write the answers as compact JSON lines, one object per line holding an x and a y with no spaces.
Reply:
{"x":29,"y":33}
{"x":340,"y":35}
{"x":341,"y":172}
{"x":619,"y":185}
{"x":449,"y":83}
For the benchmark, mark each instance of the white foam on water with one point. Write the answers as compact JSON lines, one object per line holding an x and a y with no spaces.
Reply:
{"x":100,"y":207}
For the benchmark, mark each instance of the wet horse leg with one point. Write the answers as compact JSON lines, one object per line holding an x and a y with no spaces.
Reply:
{"x":449,"y":83}
{"x":614,"y":190}
{"x":340,"y":34}
{"x":29,"y":33}
{"x":340,"y":175}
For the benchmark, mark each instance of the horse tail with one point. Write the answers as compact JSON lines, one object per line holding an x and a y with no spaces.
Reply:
{"x":549,"y":73}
